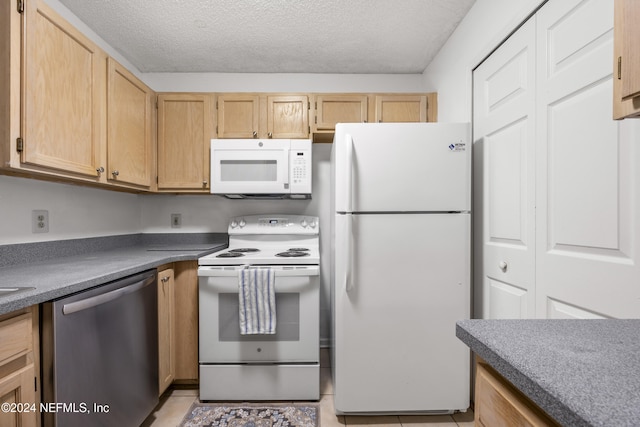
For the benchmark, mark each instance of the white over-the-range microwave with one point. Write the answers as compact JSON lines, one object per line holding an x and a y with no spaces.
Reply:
{"x":261,"y":168}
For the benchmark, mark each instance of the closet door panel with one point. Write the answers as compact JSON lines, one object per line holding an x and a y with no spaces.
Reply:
{"x":504,"y":99}
{"x":587,"y":168}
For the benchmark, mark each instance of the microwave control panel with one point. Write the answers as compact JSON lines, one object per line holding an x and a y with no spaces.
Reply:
{"x":300,"y":171}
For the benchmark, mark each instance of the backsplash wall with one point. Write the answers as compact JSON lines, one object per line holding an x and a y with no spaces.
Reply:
{"x":74,"y":212}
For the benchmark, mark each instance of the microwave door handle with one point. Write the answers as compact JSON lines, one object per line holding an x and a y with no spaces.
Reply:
{"x":285,"y":181}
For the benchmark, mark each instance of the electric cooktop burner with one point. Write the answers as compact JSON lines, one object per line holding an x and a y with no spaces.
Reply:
{"x":230,"y":255}
{"x":241,"y":250}
{"x":292,"y":254}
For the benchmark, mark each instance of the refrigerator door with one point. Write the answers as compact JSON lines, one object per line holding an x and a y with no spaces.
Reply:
{"x":397,"y":296}
{"x":402,"y":167}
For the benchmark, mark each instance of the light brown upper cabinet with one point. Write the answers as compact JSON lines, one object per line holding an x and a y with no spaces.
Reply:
{"x":64,"y":74}
{"x":287,"y":116}
{"x":400,"y":108}
{"x":129,"y":155}
{"x":273,"y":115}
{"x":185,"y":129}
{"x":238,"y":115}
{"x":336,"y":108}
{"x":329,"y":109}
{"x":626,"y":67}
{"x":71,"y":112}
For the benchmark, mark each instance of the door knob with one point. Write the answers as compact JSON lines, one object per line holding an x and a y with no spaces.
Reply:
{"x":503,"y":266}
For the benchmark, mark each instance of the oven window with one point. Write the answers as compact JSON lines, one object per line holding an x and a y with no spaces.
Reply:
{"x":287,"y":318}
{"x":248,"y":170}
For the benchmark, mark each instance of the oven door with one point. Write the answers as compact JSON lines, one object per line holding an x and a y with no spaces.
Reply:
{"x":297,"y":316}
{"x":246,"y":167}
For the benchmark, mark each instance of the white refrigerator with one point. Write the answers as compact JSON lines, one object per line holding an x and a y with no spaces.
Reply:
{"x":400,"y":267}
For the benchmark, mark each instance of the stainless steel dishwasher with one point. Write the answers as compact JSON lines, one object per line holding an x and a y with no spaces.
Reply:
{"x":100,"y":354}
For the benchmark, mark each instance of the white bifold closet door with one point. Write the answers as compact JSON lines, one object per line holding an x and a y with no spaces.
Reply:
{"x":588,"y":180}
{"x":559,"y":234}
{"x":504,"y":150}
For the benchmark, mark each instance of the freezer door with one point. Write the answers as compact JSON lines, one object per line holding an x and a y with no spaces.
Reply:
{"x":402,"y":167}
{"x":397,"y":296}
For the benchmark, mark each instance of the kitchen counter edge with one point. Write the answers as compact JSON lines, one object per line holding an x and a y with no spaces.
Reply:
{"x":570,"y":368}
{"x":79,"y":269}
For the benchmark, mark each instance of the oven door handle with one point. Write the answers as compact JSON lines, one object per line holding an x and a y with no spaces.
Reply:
{"x":293,"y":271}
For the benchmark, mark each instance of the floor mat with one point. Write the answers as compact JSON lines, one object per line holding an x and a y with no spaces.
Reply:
{"x":251,"y":415}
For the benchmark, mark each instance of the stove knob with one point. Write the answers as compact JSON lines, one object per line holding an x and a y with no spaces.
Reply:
{"x":242,"y":223}
{"x":303,"y":223}
{"x":234,"y":224}
{"x":313,"y":224}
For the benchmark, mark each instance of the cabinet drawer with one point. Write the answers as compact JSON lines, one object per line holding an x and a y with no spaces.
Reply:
{"x":15,"y":336}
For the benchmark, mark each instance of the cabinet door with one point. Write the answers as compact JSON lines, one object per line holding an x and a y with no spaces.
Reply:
{"x":15,"y":388}
{"x":238,"y":116}
{"x":185,"y":129}
{"x":63,"y":93}
{"x":401,"y":108}
{"x":332,"y":109}
{"x":166,"y":339}
{"x":498,"y":403}
{"x":186,"y":321}
{"x":626,"y":82}
{"x":631,"y":43}
{"x":287,"y":116}
{"x":128,"y":127}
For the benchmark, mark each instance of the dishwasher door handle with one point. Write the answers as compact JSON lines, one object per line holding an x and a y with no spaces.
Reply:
{"x":77,"y":306}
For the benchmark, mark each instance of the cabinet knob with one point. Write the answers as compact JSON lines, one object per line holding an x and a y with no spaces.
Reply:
{"x":165,"y":279}
{"x":255,"y":134}
{"x":204,"y":183}
{"x":270,"y":135}
{"x":100,"y":170}
{"x":503,"y":266}
{"x":115,"y":173}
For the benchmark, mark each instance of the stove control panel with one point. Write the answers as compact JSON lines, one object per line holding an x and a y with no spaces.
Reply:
{"x":276,"y":224}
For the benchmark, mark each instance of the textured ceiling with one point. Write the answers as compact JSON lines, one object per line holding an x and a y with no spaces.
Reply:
{"x":274,"y":36}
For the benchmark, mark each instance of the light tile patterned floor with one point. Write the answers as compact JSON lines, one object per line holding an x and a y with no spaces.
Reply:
{"x":175,"y":404}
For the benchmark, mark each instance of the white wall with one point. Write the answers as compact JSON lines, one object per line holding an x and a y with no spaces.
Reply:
{"x":74,"y":212}
{"x":257,"y":82}
{"x":482,"y":29}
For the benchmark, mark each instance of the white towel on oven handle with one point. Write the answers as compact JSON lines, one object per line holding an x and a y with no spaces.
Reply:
{"x":257,"y":298}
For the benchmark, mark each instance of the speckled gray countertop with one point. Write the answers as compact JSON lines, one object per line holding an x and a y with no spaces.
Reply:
{"x":581,"y":372}
{"x":59,"y":268}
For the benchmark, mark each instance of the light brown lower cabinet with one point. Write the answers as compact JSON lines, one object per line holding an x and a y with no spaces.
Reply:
{"x":18,"y":369}
{"x":178,"y":324}
{"x":499,"y":404}
{"x":166,"y":329}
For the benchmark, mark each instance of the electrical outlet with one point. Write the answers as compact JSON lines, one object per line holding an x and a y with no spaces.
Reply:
{"x":176,"y":220}
{"x":39,"y":221}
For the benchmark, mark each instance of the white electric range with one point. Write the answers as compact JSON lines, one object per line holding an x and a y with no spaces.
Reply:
{"x":280,"y":366}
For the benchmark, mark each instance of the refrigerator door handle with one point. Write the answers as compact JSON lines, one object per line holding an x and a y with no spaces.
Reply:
{"x":348,"y":158}
{"x":348,"y":268}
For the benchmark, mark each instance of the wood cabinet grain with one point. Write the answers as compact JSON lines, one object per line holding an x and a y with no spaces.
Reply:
{"x":626,"y":59}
